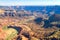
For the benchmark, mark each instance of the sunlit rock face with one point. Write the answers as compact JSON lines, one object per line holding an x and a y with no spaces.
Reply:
{"x":5,"y":33}
{"x":2,"y":11}
{"x":55,"y":34}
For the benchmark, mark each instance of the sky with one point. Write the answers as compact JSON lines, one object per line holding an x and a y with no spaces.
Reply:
{"x":28,"y":2}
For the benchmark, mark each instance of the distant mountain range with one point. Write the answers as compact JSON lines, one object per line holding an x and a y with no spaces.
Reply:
{"x":47,"y":9}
